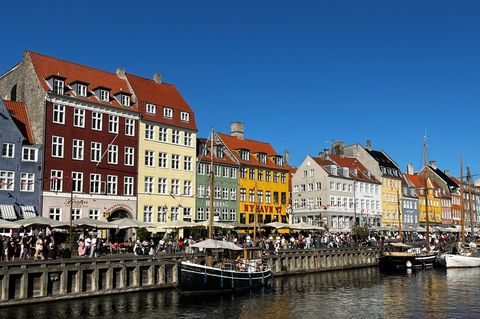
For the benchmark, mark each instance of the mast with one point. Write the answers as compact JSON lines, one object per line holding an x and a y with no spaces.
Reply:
{"x":470,"y":203}
{"x":210,"y":216}
{"x":426,"y":190}
{"x":399,"y":214}
{"x":462,"y":201}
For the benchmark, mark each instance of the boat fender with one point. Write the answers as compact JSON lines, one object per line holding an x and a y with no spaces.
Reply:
{"x":408,"y":264}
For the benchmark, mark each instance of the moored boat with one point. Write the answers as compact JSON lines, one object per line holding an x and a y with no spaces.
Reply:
{"x":402,"y":256}
{"x":458,"y":261}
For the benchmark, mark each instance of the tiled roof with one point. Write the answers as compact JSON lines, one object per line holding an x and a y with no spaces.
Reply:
{"x":18,"y":111}
{"x":235,"y":144}
{"x":419,"y":182}
{"x":353,"y":163}
{"x":447,"y":179}
{"x":385,"y":161}
{"x":161,"y":95}
{"x":226,"y":160}
{"x":46,"y":67}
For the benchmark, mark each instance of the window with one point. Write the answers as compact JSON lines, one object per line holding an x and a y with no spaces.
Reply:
{"x":233,"y":194}
{"x":149,"y":158}
{"x":113,"y":154}
{"x":149,"y":132}
{"x":7,"y":179}
{"x":218,"y":193}
{"x":260,"y":196}
{"x":162,"y":160}
{"x":56,"y":180}
{"x":284,"y":178}
{"x":113,"y":124}
{"x":162,"y":134}
{"x":318,"y":186}
{"x":76,"y":213}
{"x":263,"y":158}
{"x":275,"y":177}
{"x":95,"y":181}
{"x":147,"y":214}
{"x":97,"y":121}
{"x":94,"y":213}
{"x":243,"y":195}
{"x":148,"y":184}
{"x":268,"y":197}
{"x":201,"y":191}
{"x":29,"y":154}
{"x":243,"y":172}
{"x":112,"y":182}
{"x":125,"y":100}
{"x":187,"y":163}
{"x":201,"y":169}
{"x":174,"y":213}
{"x":77,"y":150}
{"x":77,"y":182}
{"x":233,"y":172}
{"x":332,"y":186}
{"x":225,"y":171}
{"x":252,"y":173}
{"x":162,"y":185}
{"x":260,"y":174}
{"x":175,"y":136}
{"x":55,"y":213}
{"x":175,"y":187}
{"x":128,"y":186}
{"x":245,"y":155}
{"x":81,"y":89}
{"x":201,"y":213}
{"x":95,"y":151}
{"x":187,"y":139}
{"x":217,"y":170}
{"x":58,"y":114}
{"x":275,"y":197}
{"x":233,"y":214}
{"x":129,"y":127}
{"x":184,"y":116}
{"x":162,"y":214}
{"x":58,"y":86}
{"x":251,"y":196}
{"x":150,"y":108}
{"x":268,"y":176}
{"x":57,"y":146}
{"x":129,"y":156}
{"x":175,"y":161}
{"x":27,"y":182}
{"x":187,"y":212}
{"x":167,"y":112}
{"x":104,"y":95}
{"x":8,"y":150}
{"x":225,"y":193}
{"x":187,"y":188}
{"x":79,"y":117}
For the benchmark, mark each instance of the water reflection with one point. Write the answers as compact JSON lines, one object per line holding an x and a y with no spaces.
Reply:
{"x":362,"y":293}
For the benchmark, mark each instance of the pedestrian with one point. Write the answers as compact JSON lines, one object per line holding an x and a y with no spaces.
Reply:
{"x":38,"y":248}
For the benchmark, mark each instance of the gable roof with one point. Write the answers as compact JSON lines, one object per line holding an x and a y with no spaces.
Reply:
{"x":353,"y":163}
{"x":419,"y":182}
{"x":18,"y":111}
{"x":161,"y":95}
{"x":226,"y":160}
{"x":385,"y":161}
{"x":450,"y":183}
{"x":46,"y":67}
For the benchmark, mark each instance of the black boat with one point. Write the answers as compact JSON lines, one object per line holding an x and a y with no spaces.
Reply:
{"x":216,"y":274}
{"x":402,"y":256}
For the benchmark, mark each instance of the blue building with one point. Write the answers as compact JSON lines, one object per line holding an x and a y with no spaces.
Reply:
{"x":409,"y":205}
{"x":20,"y":164}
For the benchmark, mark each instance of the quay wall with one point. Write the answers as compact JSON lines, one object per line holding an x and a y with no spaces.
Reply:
{"x":43,"y":281}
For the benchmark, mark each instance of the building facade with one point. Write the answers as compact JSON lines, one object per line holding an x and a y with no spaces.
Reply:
{"x":409,"y":205}
{"x":429,"y":198}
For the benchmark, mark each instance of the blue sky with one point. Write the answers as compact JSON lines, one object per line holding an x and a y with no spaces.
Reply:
{"x":297,"y":73}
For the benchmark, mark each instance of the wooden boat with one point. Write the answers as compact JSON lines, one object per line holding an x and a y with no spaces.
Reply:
{"x":217,"y":274}
{"x":458,"y":261}
{"x":402,"y":256}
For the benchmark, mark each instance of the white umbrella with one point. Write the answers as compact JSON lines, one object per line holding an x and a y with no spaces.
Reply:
{"x":176,"y":224}
{"x":9,"y":225}
{"x":42,"y":221}
{"x":277,"y":225}
{"x":94,"y":223}
{"x":305,"y":226}
{"x":206,"y":223}
{"x":216,"y":244}
{"x":125,"y":223}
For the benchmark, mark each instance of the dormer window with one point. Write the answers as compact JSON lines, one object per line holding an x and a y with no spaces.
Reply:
{"x":81,"y":89}
{"x":219,"y":151}
{"x":125,"y":99}
{"x":245,"y":155}
{"x":279,"y":161}
{"x":184,"y":116}
{"x":168,"y":112}
{"x":58,"y":86}
{"x":150,"y":108}
{"x":262,"y":157}
{"x":104,"y":95}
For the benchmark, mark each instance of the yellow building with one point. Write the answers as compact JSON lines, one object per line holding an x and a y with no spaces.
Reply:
{"x":433,"y":197}
{"x":166,"y":152}
{"x":391,"y":200}
{"x":263,"y":179}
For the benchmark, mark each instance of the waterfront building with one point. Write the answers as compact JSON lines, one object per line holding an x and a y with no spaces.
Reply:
{"x":387,"y":171}
{"x":469,"y":201}
{"x":409,"y":205}
{"x":87,"y":120}
{"x":263,"y":178}
{"x":225,"y":186}
{"x":20,"y":163}
{"x":432,"y":194}
{"x":166,"y":151}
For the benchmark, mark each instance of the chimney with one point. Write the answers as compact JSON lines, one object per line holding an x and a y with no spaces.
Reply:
{"x":338,"y":148}
{"x":236,"y":129}
{"x":433,"y":164}
{"x":368,"y":145}
{"x":285,"y":157}
{"x":447,"y":172}
{"x":120,"y":73}
{"x":157,"y":77}
{"x":410,"y":169}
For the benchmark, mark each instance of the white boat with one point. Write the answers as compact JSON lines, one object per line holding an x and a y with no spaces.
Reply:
{"x":458,"y":261}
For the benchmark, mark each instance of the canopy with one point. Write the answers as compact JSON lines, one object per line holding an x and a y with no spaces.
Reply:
{"x":216,"y":244}
{"x":305,"y":226}
{"x":42,"y":221}
{"x":277,"y":225}
{"x":125,"y":223}
{"x":177,"y":224}
{"x":216,"y":224}
{"x":5,"y":224}
{"x":94,"y":223}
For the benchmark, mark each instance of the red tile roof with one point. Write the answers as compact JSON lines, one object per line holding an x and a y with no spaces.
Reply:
{"x":419,"y":182}
{"x":46,"y":67}
{"x":352,"y":163}
{"x":161,"y":95}
{"x":255,"y":147}
{"x":226,"y":160}
{"x":18,"y":112}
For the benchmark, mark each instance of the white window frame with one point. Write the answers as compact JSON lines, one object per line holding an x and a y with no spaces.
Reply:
{"x":77,"y":149}
{"x":149,"y":158}
{"x":112,"y":154}
{"x":162,"y":134}
{"x":129,"y":159}
{"x":112,"y":184}
{"x":77,"y":182}
{"x":29,"y":154}
{"x":95,"y":152}
{"x":58,"y":114}
{"x":150,"y":108}
{"x":175,"y":161}
{"x":125,"y":99}
{"x":97,"y":119}
{"x":148,"y":185}
{"x":94,"y":213}
{"x":167,"y":112}
{"x":7,"y":180}
{"x":129,"y":127}
{"x":8,"y":150}
{"x":113,"y":121}
{"x":128,"y":185}
{"x":149,"y":132}
{"x":175,"y":187}
{"x":79,"y":117}
{"x":187,"y":163}
{"x":104,"y":95}
{"x":162,"y":160}
{"x":187,"y":139}
{"x":55,"y":213}
{"x":184,"y":116}
{"x":162,"y":185}
{"x":81,"y":89}
{"x":57,"y":146}
{"x":95,"y":183}
{"x":175,"y":136}
{"x":187,"y":187}
{"x":147,"y":213}
{"x":58,"y":86}
{"x":56,"y":180}
{"x":27,"y":182}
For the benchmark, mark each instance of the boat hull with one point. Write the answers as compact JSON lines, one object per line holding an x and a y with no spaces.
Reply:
{"x":195,"y":278}
{"x":392,"y":261}
{"x":458,"y":261}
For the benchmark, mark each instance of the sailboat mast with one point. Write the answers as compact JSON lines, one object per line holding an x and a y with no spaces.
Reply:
{"x":210,"y":216}
{"x":470,"y":203}
{"x":399,"y":214}
{"x":462,"y":201}
{"x":426,"y":190}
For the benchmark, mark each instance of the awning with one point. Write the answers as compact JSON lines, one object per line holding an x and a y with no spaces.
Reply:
{"x":28,"y":211}
{"x":8,"y":212}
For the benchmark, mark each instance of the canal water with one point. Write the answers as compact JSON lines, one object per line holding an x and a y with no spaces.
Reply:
{"x":363,"y":293}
